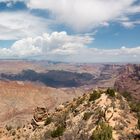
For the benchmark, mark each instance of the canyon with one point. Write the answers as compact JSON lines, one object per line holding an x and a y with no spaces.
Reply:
{"x":28,"y":85}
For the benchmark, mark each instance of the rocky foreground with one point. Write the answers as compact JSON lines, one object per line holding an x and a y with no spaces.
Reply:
{"x":97,"y":115}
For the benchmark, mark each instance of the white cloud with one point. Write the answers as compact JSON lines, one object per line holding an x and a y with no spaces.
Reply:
{"x":106,"y":55}
{"x":41,"y":4}
{"x":130,"y":24}
{"x":133,"y":9}
{"x":127,"y":24}
{"x":17,"y":25}
{"x":83,"y":15}
{"x":86,"y":14}
{"x":60,"y":43}
{"x":25,"y":47}
{"x":63,"y":47}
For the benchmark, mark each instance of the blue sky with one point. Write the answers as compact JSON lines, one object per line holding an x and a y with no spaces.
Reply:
{"x":76,"y":30}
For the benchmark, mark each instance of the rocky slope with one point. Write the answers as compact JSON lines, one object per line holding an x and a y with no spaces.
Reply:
{"x":97,"y":115}
{"x":129,"y":81}
{"x":18,"y":100}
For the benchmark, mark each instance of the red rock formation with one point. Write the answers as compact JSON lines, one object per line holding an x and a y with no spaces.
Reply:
{"x":129,"y":81}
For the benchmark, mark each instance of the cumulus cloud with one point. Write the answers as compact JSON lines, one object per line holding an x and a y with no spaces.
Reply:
{"x":63,"y":47}
{"x":56,"y":42}
{"x":17,"y":25}
{"x":86,"y":14}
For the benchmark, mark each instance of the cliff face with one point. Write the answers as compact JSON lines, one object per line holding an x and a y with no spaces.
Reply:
{"x":97,"y":115}
{"x":129,"y":81}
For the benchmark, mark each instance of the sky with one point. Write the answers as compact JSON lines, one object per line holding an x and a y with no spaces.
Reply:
{"x":70,"y":30}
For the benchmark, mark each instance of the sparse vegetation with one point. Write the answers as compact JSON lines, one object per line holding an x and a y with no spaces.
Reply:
{"x":48,"y":121}
{"x":85,"y":119}
{"x":80,"y":101}
{"x":135,"y":107}
{"x":87,"y":115}
{"x":110,"y":92}
{"x":102,"y":132}
{"x":95,"y":95}
{"x":61,"y":119}
{"x":127,"y":95}
{"x":58,"y":131}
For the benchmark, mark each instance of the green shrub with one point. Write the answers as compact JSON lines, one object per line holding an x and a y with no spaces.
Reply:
{"x":58,"y":132}
{"x":95,"y":95}
{"x":79,"y":101}
{"x":87,"y":115}
{"x":135,"y":107}
{"x":110,"y":92}
{"x":48,"y":121}
{"x":102,"y":132}
{"x":127,"y":95}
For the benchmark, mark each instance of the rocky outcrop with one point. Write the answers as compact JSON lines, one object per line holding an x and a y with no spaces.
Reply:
{"x":129,"y":81}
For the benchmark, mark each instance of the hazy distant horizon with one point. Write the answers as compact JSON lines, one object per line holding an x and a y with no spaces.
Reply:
{"x":54,"y":61}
